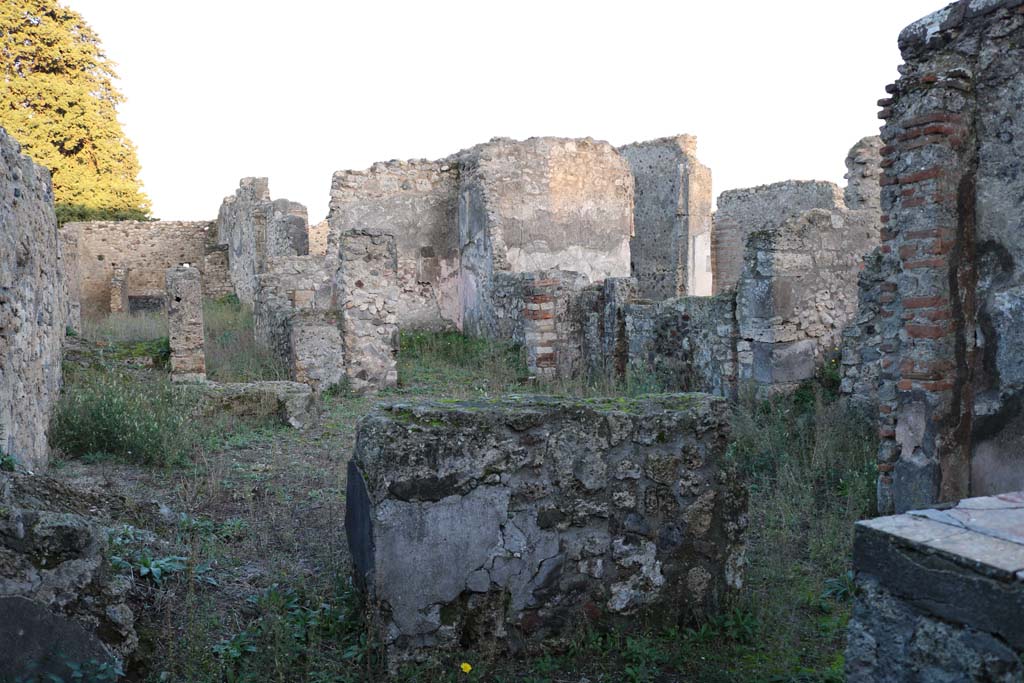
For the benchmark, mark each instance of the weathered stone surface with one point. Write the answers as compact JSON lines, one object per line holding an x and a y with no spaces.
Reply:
{"x":950,"y":391}
{"x":863,"y":169}
{"x":417,"y":202}
{"x":368,"y":293}
{"x":940,"y":595}
{"x":33,"y":309}
{"x":184,"y":302}
{"x":119,"y":289}
{"x":767,"y":207}
{"x":256,"y":228}
{"x":580,"y":509}
{"x":670,"y":252}
{"x":290,"y":402}
{"x":58,"y":593}
{"x":147,"y":249}
{"x":797,"y":292}
{"x":538,"y":205}
{"x":71,"y":278}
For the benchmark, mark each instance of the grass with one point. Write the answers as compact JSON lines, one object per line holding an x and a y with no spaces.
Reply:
{"x":125,"y":327}
{"x":232,"y":354}
{"x":253,"y":576}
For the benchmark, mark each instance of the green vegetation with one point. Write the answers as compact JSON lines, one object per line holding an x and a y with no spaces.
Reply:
{"x":231,"y":351}
{"x":60,"y":103}
{"x":105,"y":413}
{"x":125,"y":327}
{"x":254,"y":579}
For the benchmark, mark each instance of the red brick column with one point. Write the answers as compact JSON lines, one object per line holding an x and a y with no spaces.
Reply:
{"x":928,"y":303}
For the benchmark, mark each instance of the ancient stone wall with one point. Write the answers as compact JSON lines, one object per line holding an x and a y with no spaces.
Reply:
{"x":146,"y":248}
{"x":295,"y":316}
{"x":541,"y":204}
{"x":318,"y":238}
{"x":368,"y":306}
{"x":743,"y":212}
{"x":32,"y":306}
{"x":939,"y":595}
{"x":863,"y":338}
{"x":184,"y":300}
{"x":256,"y":228}
{"x":863,"y":169}
{"x":671,"y":246}
{"x":797,"y":292}
{"x":953,"y":196}
{"x":417,"y":202}
{"x":583,"y":510}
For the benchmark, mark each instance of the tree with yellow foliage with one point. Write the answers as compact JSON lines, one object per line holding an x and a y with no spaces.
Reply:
{"x":59,"y":101}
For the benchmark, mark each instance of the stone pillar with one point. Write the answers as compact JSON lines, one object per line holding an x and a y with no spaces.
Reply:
{"x":185,"y":324}
{"x":367,"y":284}
{"x":671,"y":246}
{"x":71,"y":275}
{"x":539,"y":333}
{"x":925,"y":394}
{"x":119,"y":290}
{"x":317,"y":355}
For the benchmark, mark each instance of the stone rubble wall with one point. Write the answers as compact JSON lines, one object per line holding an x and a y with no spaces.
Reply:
{"x":318,"y":238}
{"x":33,"y":309}
{"x":368,"y":308}
{"x":797,"y":292}
{"x":417,"y":202}
{"x":861,"y":353}
{"x":146,"y":248}
{"x":295,"y":316}
{"x":184,"y":301}
{"x":541,"y":204}
{"x":584,"y":511}
{"x":743,"y":212}
{"x":256,"y":228}
{"x":952,"y":382}
{"x":670,"y":251}
{"x":863,"y":169}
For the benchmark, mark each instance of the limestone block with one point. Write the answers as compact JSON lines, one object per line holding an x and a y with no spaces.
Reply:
{"x":184,"y":302}
{"x":502,"y":522}
{"x":940,"y":594}
{"x":291,"y":402}
{"x":317,"y":352}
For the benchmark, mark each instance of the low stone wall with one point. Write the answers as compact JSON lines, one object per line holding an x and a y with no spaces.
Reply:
{"x":940,"y":595}
{"x":581,"y":510}
{"x":185,"y":324}
{"x":33,"y":309}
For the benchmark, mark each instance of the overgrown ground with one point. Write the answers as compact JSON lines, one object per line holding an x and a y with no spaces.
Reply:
{"x":246,"y":578}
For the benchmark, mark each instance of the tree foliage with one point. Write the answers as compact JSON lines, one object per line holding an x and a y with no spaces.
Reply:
{"x":59,"y":101}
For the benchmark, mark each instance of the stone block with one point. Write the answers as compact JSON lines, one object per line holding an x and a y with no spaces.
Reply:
{"x":940,"y":594}
{"x":500,"y":523}
{"x":290,"y":402}
{"x":317,"y":353}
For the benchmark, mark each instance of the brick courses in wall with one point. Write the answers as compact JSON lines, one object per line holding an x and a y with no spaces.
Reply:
{"x":184,"y":302}
{"x":33,"y":309}
{"x":952,"y":369}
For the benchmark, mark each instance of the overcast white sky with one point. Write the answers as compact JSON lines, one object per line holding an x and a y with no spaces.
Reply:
{"x":221,"y":89}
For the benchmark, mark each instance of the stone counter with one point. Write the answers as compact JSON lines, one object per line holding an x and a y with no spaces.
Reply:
{"x":499,"y":523}
{"x":940,"y":594}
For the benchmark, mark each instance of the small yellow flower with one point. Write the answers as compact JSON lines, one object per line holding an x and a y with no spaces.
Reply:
{"x":466,"y":667}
